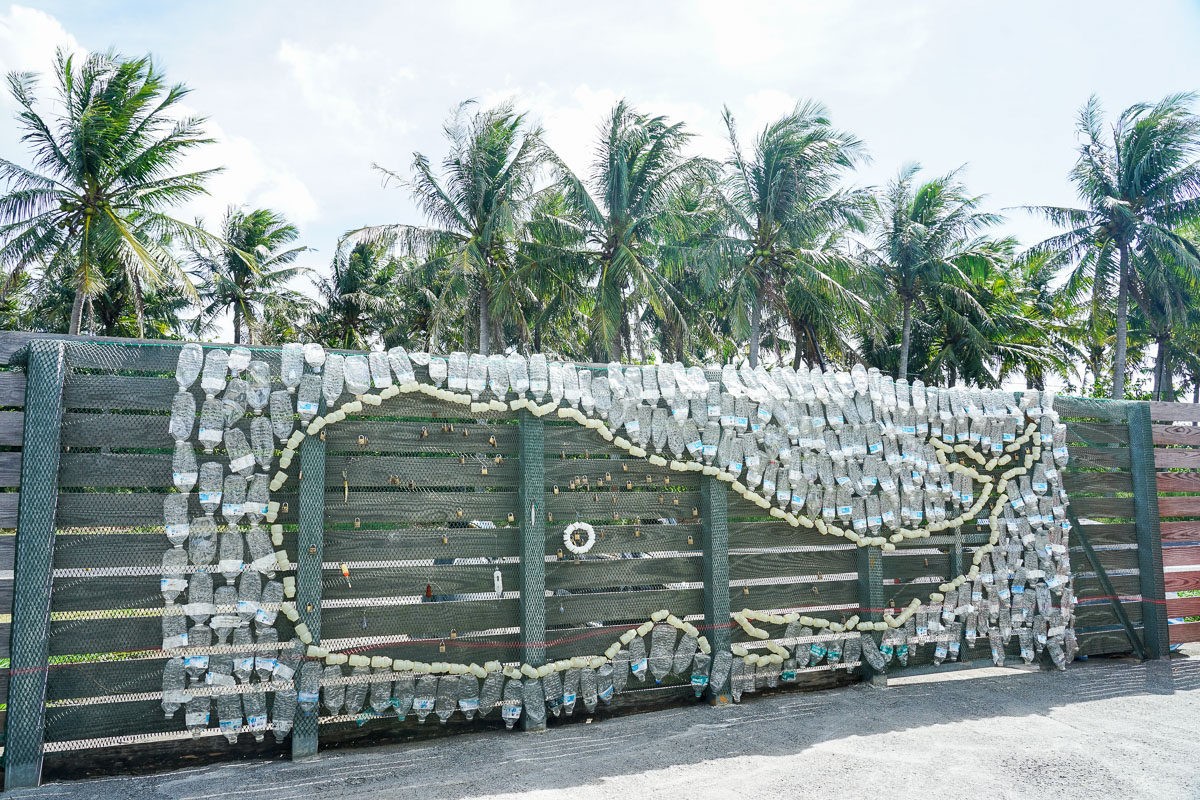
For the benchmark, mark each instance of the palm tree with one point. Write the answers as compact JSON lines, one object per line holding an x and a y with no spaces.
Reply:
{"x":780,"y":201}
{"x":1137,"y":185}
{"x":476,"y":209}
{"x":102,"y":177}
{"x":245,"y":287}
{"x":624,"y":234}
{"x":925,"y":238}
{"x":359,"y":297}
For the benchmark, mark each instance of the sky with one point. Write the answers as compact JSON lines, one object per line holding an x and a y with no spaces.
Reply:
{"x":303,"y":97}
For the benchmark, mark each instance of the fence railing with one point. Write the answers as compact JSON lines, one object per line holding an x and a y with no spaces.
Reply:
{"x":406,"y":523}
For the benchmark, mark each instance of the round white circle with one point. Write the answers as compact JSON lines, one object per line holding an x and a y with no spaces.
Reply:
{"x":579,"y":537}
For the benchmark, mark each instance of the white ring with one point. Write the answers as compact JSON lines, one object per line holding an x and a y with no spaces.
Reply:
{"x":578,"y":549}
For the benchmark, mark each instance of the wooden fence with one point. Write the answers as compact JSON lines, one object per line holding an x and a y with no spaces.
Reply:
{"x":423,"y":509}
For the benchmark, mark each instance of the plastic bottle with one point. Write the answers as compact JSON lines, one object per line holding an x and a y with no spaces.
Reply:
{"x":308,"y":397}
{"x":283,"y":712}
{"x":255,"y":704}
{"x":233,"y":402}
{"x":212,"y":424}
{"x":212,"y":379}
{"x":468,"y":695}
{"x":437,"y":370}
{"x":404,"y":691}
{"x":490,"y":692}
{"x":737,"y":683}
{"x":310,"y":686}
{"x":476,"y":375}
{"x":202,"y":541}
{"x":570,"y":690}
{"x":637,"y":659}
{"x":425,"y":699}
{"x":719,"y":670}
{"x":196,"y":714}
{"x":265,"y":661}
{"x":333,"y":695}
{"x":291,"y":365}
{"x":510,"y":705}
{"x":187,"y":368}
{"x":356,"y":693}
{"x":283,"y":420}
{"x":200,"y":597}
{"x":456,"y":372}
{"x":700,"y":666}
{"x":229,"y":714}
{"x":662,"y":651}
{"x":381,"y":371}
{"x":183,"y":416}
{"x":871,"y":653}
{"x":535,"y":701}
{"x":684,"y":652}
{"x":249,"y":596}
{"x":620,"y":670}
{"x":225,"y":618}
{"x":184,"y":472}
{"x":258,"y":385}
{"x":172,"y":582}
{"x":589,"y":689}
{"x":380,"y":692}
{"x":231,"y":554}
{"x":851,"y":650}
{"x":401,"y":365}
{"x":333,"y":379}
{"x":173,"y":684}
{"x":239,"y":360}
{"x":356,"y":375}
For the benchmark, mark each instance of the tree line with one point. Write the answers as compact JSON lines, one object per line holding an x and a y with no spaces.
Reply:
{"x":655,"y":252}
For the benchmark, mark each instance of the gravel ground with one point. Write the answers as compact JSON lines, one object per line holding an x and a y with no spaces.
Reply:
{"x":1112,"y":727}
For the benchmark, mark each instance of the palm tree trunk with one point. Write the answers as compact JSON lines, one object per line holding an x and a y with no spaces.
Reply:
{"x":76,"y":312}
{"x":1118,"y":385}
{"x":1160,"y":359}
{"x":485,"y":322}
{"x":237,"y":325}
{"x":755,"y":328}
{"x":905,"y":340}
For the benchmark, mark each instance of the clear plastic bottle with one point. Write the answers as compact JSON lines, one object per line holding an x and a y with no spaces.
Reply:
{"x":381,"y":371}
{"x":187,"y":368}
{"x":333,"y":379}
{"x":229,"y":714}
{"x":225,"y":618}
{"x":262,"y":442}
{"x":490,"y":692}
{"x":272,"y":597}
{"x":719,"y":672}
{"x":589,"y":689}
{"x":851,"y":650}
{"x":570,"y":690}
{"x":871,"y":654}
{"x":468,"y":695}
{"x":426,"y":697}
{"x":233,"y":402}
{"x":174,"y":566}
{"x":173,"y":686}
{"x":200,"y":597}
{"x":174,"y":628}
{"x":249,"y":596}
{"x":701,"y":665}
{"x":404,"y":691}
{"x":202,"y":541}
{"x":283,"y":416}
{"x":196,"y":715}
{"x":212,"y":379}
{"x":241,"y":459}
{"x":510,"y":705}
{"x":498,"y":376}
{"x":476,"y":375}
{"x":684,"y":652}
{"x":231,"y":555}
{"x":401,"y":365}
{"x":283,"y":713}
{"x":243,"y":658}
{"x":737,"y":682}
{"x":534,"y":698}
{"x":539,"y":377}
{"x":239,"y":360}
{"x":604,"y":684}
{"x":308,"y":397}
{"x":183,"y":416}
{"x":552,"y":684}
{"x":357,"y":375}
{"x":333,"y":695}
{"x":380,"y":692}
{"x":456,"y":372}
{"x":184,"y":472}
{"x":258,"y":386}
{"x":356,"y":693}
{"x":212,"y":424}
{"x":266,"y":660}
{"x":175,"y":518}
{"x":288,"y":661}
{"x":518,"y":374}
{"x":620,"y":670}
{"x":638,"y":663}
{"x":658,"y":428}
{"x":291,"y":365}
{"x":310,"y":686}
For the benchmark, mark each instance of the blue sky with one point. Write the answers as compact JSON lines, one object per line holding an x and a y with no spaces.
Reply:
{"x":304,"y":96}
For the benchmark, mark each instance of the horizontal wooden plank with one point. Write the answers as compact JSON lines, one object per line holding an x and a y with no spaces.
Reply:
{"x":1175,"y":412}
{"x":1090,"y":482}
{"x":1176,"y":458}
{"x":1101,"y":614}
{"x":1090,"y":588}
{"x":1182,"y":556}
{"x":1183,"y":606}
{"x":602,"y":473}
{"x":1179,"y":506}
{"x":1182,"y":581}
{"x":1186,"y":435}
{"x":1089,"y":457}
{"x":632,"y":538}
{"x":1094,"y":643}
{"x":1102,"y":534}
{"x":1180,"y":532}
{"x":744,"y":566}
{"x":12,"y":389}
{"x":1093,"y":433}
{"x":1178,"y":482}
{"x":1182,"y":632}
{"x":794,"y":595}
{"x":571,"y":439}
{"x":619,"y":573}
{"x":611,"y":506}
{"x":1111,"y":507}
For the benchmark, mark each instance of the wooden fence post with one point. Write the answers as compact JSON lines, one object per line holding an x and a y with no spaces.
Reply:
{"x":46,"y":368}
{"x":870,"y":601}
{"x":714,"y":568}
{"x":1145,"y":505}
{"x":310,"y":553}
{"x":531,"y":496}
